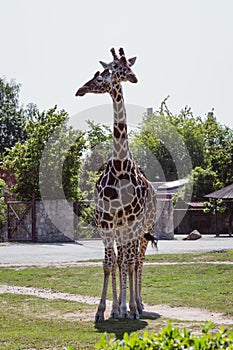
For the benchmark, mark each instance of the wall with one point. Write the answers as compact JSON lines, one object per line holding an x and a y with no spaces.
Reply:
{"x":196,"y":219}
{"x":54,"y":221}
{"x":164,"y":226}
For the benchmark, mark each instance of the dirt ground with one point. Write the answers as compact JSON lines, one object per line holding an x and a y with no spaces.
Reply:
{"x":152,"y":311}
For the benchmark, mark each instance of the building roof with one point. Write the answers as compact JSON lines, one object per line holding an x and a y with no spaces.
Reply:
{"x":224,"y":193}
{"x":196,"y":204}
{"x":170,"y":187}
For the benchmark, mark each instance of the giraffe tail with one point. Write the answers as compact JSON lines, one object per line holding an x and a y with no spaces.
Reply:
{"x":149,"y":237}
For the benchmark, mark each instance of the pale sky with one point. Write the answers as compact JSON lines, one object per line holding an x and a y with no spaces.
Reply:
{"x":184,"y":49}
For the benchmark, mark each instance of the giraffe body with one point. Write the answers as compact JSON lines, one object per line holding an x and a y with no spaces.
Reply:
{"x":125,"y":201}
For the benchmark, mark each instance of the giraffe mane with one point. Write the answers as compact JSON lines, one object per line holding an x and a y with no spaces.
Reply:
{"x":96,"y":74}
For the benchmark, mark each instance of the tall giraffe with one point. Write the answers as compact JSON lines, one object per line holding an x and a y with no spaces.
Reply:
{"x":101,"y":83}
{"x":123,"y":195}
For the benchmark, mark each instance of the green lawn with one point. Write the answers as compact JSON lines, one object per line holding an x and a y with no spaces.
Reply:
{"x":28,"y":322}
{"x":218,"y":255}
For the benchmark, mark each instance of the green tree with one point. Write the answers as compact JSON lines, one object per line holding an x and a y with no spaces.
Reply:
{"x":2,"y":205}
{"x":201,"y":182}
{"x":219,"y":149}
{"x":191,"y":130}
{"x":158,"y":148}
{"x":99,"y":147}
{"x":12,"y":116}
{"x":50,"y":158}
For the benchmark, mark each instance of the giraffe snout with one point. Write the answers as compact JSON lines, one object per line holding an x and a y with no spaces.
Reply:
{"x":82,"y":91}
{"x":132,"y":78}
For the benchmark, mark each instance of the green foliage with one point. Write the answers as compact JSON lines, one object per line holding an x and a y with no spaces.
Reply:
{"x":12,"y":117}
{"x":219,"y":148}
{"x":51,"y":150}
{"x":2,"y":205}
{"x":171,"y":338}
{"x":3,"y":213}
{"x":166,"y":142}
{"x":97,"y":133}
{"x":201,"y":182}
{"x":175,"y":141}
{"x":86,"y":222}
{"x":158,"y":149}
{"x":2,"y":186}
{"x":99,"y":145}
{"x":215,"y":206}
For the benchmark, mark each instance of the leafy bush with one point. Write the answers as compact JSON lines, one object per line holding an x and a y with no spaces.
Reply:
{"x":2,"y":213}
{"x":2,"y":206}
{"x":171,"y":338}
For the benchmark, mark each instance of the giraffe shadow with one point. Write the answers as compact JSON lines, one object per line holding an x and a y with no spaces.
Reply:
{"x":148,"y":315}
{"x":120,"y":326}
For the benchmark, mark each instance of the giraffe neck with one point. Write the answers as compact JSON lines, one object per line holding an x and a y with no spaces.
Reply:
{"x":120,"y":135}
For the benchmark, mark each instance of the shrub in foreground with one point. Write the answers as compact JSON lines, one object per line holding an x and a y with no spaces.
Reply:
{"x":172,"y":338}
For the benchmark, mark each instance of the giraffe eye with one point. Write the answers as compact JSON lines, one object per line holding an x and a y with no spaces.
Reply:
{"x":114,"y":65}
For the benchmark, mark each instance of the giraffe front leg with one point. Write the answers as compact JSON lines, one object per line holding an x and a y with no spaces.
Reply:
{"x":119,"y":263}
{"x":133,"y":314}
{"x":136,"y":279}
{"x":123,"y":304}
{"x":107,"y":267}
{"x":115,"y":313}
{"x":99,"y":316}
{"x":132,"y":267}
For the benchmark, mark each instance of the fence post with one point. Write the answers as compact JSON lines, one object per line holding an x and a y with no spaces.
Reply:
{"x":34,"y":238}
{"x":75,"y":208}
{"x":8,"y":222}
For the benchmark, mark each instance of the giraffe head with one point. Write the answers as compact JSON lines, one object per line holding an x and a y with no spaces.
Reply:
{"x":121,"y":67}
{"x":99,"y":84}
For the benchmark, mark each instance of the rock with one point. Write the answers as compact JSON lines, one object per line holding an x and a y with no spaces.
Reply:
{"x":193,"y":236}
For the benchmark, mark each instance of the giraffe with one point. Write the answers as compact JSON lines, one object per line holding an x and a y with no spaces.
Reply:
{"x":122,"y":220}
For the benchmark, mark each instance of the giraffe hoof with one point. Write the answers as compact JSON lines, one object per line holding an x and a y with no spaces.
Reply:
{"x":134,"y":316}
{"x":99,"y":318}
{"x":140,"y":308}
{"x":124,"y":315}
{"x":115,"y":315}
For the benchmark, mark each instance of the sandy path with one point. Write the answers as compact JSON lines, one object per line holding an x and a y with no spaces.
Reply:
{"x":179,"y":313}
{"x":97,"y":264}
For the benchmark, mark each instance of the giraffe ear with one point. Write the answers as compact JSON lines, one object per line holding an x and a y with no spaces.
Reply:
{"x":104,"y":65}
{"x":132,"y":61}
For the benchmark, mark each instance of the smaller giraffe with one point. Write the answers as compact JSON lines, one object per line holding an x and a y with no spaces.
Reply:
{"x":101,"y":83}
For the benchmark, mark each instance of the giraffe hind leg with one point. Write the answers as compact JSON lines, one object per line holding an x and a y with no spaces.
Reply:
{"x":128,"y":268}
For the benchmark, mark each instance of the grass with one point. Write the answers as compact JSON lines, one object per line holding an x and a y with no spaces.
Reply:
{"x":204,"y":286}
{"x":32,"y":323}
{"x":217,"y":255}
{"x":28,"y":322}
